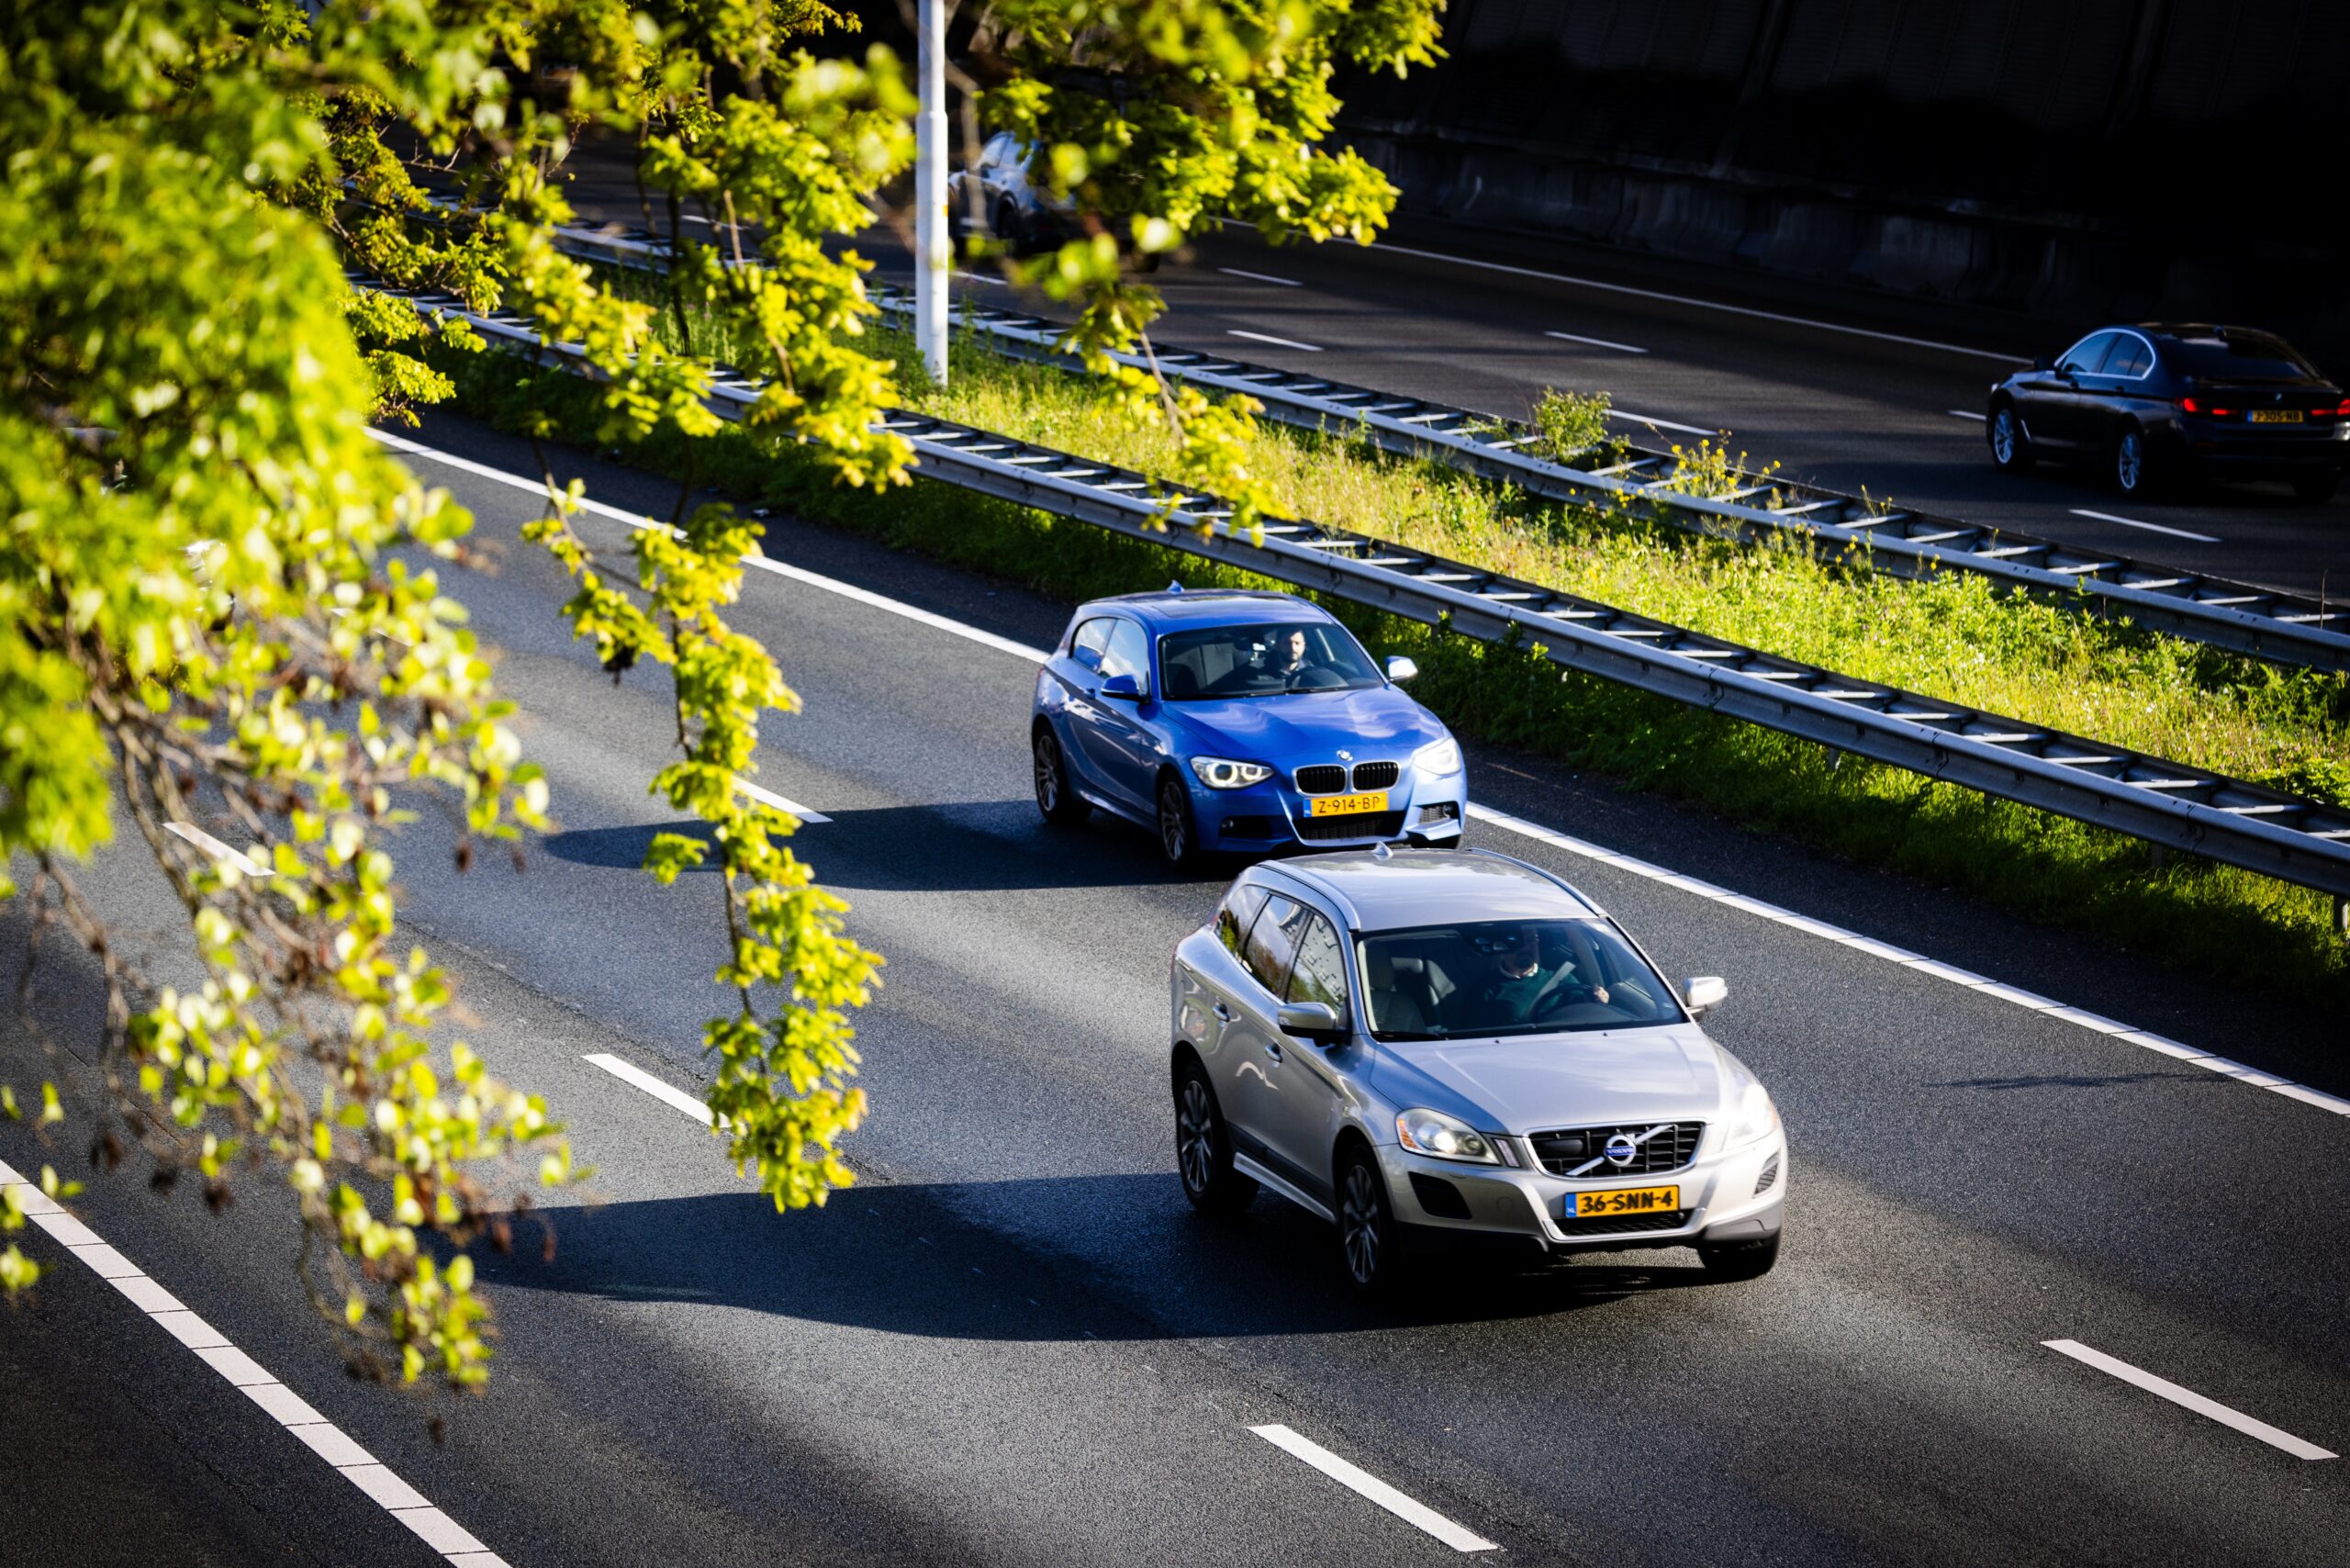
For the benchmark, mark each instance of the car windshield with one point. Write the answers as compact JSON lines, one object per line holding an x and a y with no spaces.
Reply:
{"x":2240,"y":356}
{"x":1219,"y":663}
{"x":1515,"y":976}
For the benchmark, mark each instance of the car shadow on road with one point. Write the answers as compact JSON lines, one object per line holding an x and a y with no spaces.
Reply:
{"x":979,"y":847}
{"x":924,"y":1260}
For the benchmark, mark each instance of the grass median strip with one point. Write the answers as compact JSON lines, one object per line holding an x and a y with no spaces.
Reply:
{"x":1949,"y":636}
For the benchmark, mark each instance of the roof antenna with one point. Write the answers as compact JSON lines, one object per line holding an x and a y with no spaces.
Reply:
{"x":1380,"y":852}
{"x":1175,"y":587}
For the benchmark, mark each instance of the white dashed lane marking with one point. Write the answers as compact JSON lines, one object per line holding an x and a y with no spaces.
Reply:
{"x":2188,"y":1398}
{"x":1355,"y":1479}
{"x":667,"y":1093}
{"x":1594,"y":342}
{"x":1262,"y":277}
{"x":281,"y":1403}
{"x":1651,"y":420}
{"x":2149,"y":527}
{"x":1278,"y":343}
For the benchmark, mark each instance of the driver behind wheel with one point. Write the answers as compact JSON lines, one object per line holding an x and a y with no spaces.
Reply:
{"x":1517,"y":979}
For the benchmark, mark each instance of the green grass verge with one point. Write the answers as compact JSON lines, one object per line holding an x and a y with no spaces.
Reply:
{"x":1950,"y":638}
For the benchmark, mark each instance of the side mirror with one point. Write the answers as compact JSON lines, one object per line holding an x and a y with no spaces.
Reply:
{"x":1401,"y":669}
{"x":1703,"y":993}
{"x":2043,"y":363}
{"x":1309,"y":1021}
{"x":1125,"y":688}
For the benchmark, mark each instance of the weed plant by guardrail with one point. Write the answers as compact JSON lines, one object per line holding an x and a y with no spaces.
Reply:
{"x":1947,"y":636}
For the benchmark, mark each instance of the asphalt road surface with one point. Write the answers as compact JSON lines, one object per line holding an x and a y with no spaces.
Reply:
{"x":1013,"y":1343}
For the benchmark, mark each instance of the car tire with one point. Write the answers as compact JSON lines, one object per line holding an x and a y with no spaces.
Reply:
{"x":1204,"y":1148}
{"x":1007,"y":227}
{"x":1371,"y":1243}
{"x":2315,"y":489}
{"x":2132,"y":465}
{"x":1740,"y":1260}
{"x":2010,"y":448}
{"x":1179,"y":836}
{"x":1056,"y":803}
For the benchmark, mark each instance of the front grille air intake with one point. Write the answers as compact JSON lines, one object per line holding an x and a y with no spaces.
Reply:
{"x":1568,"y":1150}
{"x":1769,"y":1179}
{"x":1321,"y":779}
{"x":1354,"y":824}
{"x":1377,"y":775}
{"x":1625,"y":1225}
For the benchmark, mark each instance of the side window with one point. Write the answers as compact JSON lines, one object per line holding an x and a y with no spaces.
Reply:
{"x":1090,"y":639}
{"x":2131,"y":356}
{"x":1240,"y":906}
{"x":1320,"y":972}
{"x":2084,"y":357}
{"x":1272,"y":944}
{"x":997,"y":151}
{"x":1129,"y":654}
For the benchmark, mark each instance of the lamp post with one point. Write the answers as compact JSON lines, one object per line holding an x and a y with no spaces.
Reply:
{"x":931,"y":227}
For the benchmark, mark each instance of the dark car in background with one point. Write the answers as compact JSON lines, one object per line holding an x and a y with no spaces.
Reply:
{"x":2154,"y":405}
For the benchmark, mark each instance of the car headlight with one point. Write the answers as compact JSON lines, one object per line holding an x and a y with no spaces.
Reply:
{"x":1439,"y":759}
{"x":1223,"y":773}
{"x":1757,"y":1117}
{"x":1447,"y":1138}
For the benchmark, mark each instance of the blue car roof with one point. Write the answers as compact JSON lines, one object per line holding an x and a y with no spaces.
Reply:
{"x":1214,"y":607}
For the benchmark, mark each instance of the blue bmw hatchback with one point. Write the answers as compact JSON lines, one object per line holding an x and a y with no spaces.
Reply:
{"x":1238,"y":722}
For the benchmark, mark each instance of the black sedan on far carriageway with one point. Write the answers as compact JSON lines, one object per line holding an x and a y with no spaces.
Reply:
{"x":2152,"y":406}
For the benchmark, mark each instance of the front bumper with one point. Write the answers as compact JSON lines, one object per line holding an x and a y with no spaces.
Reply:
{"x":1266,"y":817}
{"x":1719,"y":1196}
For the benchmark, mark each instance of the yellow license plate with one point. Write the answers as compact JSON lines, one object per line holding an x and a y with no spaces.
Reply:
{"x":2275,"y":415}
{"x":1346,"y":805}
{"x":1627,"y":1201}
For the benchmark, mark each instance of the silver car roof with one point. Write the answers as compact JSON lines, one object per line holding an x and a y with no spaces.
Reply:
{"x":1431,"y":887}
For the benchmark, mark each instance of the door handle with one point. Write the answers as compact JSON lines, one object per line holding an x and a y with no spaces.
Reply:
{"x":1273,"y":1049}
{"x":1223,"y":1013}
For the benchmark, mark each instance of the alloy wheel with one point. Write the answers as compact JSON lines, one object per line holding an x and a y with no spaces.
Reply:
{"x":1048,"y":775}
{"x":2129,"y":462}
{"x":1358,"y":1227}
{"x":1195,"y":1136}
{"x":1174,"y":825}
{"x":2003,"y":436}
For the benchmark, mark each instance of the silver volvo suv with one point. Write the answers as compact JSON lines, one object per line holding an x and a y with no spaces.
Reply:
{"x":1424,"y":1040}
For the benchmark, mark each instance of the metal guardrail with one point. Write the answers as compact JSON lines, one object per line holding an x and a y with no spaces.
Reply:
{"x":2240,"y":617}
{"x":2146,"y":797}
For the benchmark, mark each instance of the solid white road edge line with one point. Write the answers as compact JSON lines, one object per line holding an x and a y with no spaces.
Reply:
{"x":1262,"y":277}
{"x":1279,"y":342}
{"x":2149,"y":527}
{"x":797,"y":573}
{"x":1804,"y":922}
{"x":1354,"y":1479}
{"x":1962,"y":414}
{"x":667,"y":1093}
{"x":1674,"y":299}
{"x":1916,"y":962}
{"x":1981,"y":985}
{"x":1661,"y":425}
{"x":1594,"y":342}
{"x":281,"y":1403}
{"x":2189,"y":1399}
